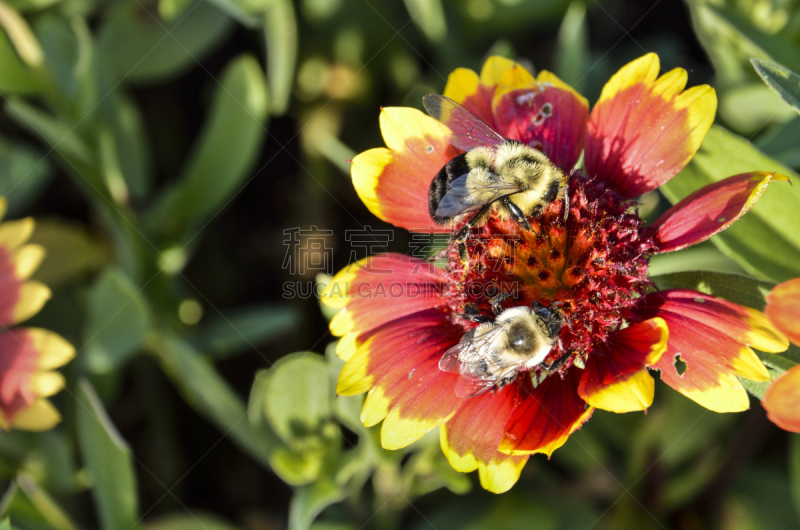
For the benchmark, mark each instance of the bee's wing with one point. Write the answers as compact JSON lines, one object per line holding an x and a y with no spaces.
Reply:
{"x":468,"y":130}
{"x":462,"y":198}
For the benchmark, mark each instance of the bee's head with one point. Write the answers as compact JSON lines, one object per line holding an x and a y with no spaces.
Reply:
{"x":552,"y":318}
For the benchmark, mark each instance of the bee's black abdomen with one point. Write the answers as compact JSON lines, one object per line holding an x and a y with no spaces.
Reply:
{"x":440,"y":185}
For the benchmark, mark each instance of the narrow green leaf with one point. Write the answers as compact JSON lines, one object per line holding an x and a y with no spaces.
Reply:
{"x":108,"y":460}
{"x":116,"y":324}
{"x":45,"y":506}
{"x":780,"y":143}
{"x":5,"y":524}
{"x":765,"y":242}
{"x":24,"y":174}
{"x":428,"y":15}
{"x":280,"y":33}
{"x":309,"y":501}
{"x":738,"y":288}
{"x":173,"y":9}
{"x":130,"y":146}
{"x":228,"y":146}
{"x":572,"y":53}
{"x":780,"y":79}
{"x":212,"y":397}
{"x":241,"y":10}
{"x":138,"y":46}
{"x":21,"y":36}
{"x":245,"y":328}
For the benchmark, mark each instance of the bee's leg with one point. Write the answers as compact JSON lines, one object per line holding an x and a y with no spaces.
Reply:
{"x":516,"y":213}
{"x":460,"y":238}
{"x":558,"y":362}
{"x":471,"y":313}
{"x":566,"y":201}
{"x":499,"y":299}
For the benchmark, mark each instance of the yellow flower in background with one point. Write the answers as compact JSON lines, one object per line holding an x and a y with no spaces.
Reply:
{"x":27,"y":355}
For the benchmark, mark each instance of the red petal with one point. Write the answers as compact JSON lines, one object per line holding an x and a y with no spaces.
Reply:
{"x":558,"y":132}
{"x":643,"y":129}
{"x":783,"y":309}
{"x":626,"y":352}
{"x":710,"y":210}
{"x":545,"y":416}
{"x":10,"y":287}
{"x":782,"y":401}
{"x":381,"y":289}
{"x":471,"y":438}
{"x":711,"y":336}
{"x":18,"y":362}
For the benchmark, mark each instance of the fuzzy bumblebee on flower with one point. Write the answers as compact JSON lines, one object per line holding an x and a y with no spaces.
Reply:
{"x":570,"y":294}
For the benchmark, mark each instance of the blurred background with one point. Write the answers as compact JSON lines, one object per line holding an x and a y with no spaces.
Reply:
{"x":181,"y":157}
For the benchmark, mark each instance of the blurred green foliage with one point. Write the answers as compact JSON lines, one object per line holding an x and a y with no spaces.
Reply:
{"x":168,"y":144}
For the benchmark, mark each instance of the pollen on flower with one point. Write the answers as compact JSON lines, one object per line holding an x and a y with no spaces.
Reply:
{"x":592,"y":267}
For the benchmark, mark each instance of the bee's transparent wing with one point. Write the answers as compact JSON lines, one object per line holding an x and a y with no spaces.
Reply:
{"x":464,"y":359}
{"x":461,"y":198}
{"x":468,"y":130}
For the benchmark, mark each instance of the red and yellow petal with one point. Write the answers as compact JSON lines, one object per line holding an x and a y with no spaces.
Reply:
{"x":471,"y":437}
{"x":393,"y":182}
{"x":615,"y":377}
{"x":782,"y":401}
{"x":545,"y":416}
{"x":710,"y":210}
{"x":712,"y":338}
{"x":476,"y":92}
{"x":399,"y":362}
{"x":644,"y":129}
{"x":544,"y":113}
{"x":26,"y":357}
{"x":19,"y":300}
{"x":783,"y":309}
{"x":379,"y":289}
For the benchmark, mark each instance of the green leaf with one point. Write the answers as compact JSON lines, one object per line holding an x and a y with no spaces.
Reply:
{"x":780,"y":142}
{"x":193,"y":521}
{"x":428,"y":15}
{"x":737,"y":288}
{"x":749,"y":107}
{"x":71,"y":252}
{"x":109,"y":461}
{"x":704,"y":256}
{"x":780,"y":79}
{"x":21,"y":36}
{"x":241,"y":10}
{"x":15,"y":76}
{"x":244,"y":328}
{"x":25,"y":172}
{"x":139,"y":47}
{"x":228,"y":146}
{"x":171,"y":10}
{"x":298,"y":397}
{"x":765,"y":242}
{"x":130,"y":146}
{"x":212,"y":397}
{"x":117,"y":322}
{"x":309,"y":501}
{"x":45,"y":506}
{"x":280,"y":33}
{"x":572,"y":53}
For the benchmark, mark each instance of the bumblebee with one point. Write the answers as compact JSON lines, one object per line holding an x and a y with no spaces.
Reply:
{"x":492,"y":354}
{"x":516,"y":179}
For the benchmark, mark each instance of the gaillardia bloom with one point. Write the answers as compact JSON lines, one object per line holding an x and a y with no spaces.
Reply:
{"x":782,"y":398}
{"x":399,"y":315}
{"x":27,"y":355}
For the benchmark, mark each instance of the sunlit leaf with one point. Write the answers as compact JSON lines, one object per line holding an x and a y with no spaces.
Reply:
{"x":117,"y":321}
{"x":780,"y":79}
{"x":429,"y":16}
{"x":572,"y":54}
{"x":15,"y":76}
{"x":197,"y":519}
{"x":765,"y":241}
{"x":743,"y":290}
{"x":280,"y":33}
{"x":109,"y":461}
{"x":21,"y":36}
{"x":794,"y":471}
